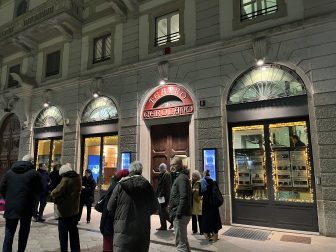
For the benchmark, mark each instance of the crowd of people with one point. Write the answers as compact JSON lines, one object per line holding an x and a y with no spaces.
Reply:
{"x":127,"y":205}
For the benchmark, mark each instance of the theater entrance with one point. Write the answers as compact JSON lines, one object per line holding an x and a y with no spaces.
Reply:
{"x":168,"y":141}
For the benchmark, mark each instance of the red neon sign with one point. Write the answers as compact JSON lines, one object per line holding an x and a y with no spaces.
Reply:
{"x":170,"y":92}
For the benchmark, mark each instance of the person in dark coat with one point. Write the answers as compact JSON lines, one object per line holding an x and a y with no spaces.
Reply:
{"x":297,"y":142}
{"x":132,"y":203}
{"x":163,"y":195}
{"x":45,"y":180}
{"x":55,"y":179}
{"x":106,"y":221}
{"x":210,"y":214}
{"x":87,"y":195}
{"x":180,"y":204}
{"x":20,"y":187}
{"x":66,"y":196}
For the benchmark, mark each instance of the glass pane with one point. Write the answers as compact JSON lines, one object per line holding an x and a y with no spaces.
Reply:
{"x":162,"y":30}
{"x":290,"y":162}
{"x":92,"y":156}
{"x":175,"y":28}
{"x":249,"y":162}
{"x":110,"y":160}
{"x":43,"y":152}
{"x":57,"y":152}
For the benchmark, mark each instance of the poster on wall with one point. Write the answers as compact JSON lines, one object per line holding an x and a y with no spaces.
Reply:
{"x":209,"y":162}
{"x":125,"y":160}
{"x":93,"y":165}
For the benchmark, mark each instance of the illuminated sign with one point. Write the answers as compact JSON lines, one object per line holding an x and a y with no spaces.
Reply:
{"x":209,"y":162}
{"x":168,"y":101}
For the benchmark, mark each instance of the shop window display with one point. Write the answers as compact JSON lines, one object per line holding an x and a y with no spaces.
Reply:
{"x":250,"y":180}
{"x":49,"y":152}
{"x":290,"y":162}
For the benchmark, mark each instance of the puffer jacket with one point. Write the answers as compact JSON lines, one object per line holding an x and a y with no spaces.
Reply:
{"x":21,"y":187}
{"x":132,"y":203}
{"x":180,"y":196}
{"x":67,"y":193}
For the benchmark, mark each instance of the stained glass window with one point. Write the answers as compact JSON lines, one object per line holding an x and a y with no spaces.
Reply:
{"x":49,"y":117}
{"x":100,"y":109}
{"x":265,"y":83}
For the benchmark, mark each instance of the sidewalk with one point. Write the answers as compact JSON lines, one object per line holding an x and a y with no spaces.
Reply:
{"x":91,"y":239}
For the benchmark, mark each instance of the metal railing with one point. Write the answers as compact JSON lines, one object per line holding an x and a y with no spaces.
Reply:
{"x":42,"y":12}
{"x":169,"y":38}
{"x":260,"y":12}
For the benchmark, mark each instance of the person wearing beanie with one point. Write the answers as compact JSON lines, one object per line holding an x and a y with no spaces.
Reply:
{"x":66,"y":196}
{"x":45,"y":180}
{"x":106,"y":221}
{"x":20,"y":187}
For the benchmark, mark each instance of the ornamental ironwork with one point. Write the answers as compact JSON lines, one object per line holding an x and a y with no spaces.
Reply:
{"x":100,"y":109}
{"x":265,"y":83}
{"x":49,"y":117}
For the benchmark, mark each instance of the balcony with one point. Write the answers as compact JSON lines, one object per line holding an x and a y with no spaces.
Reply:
{"x":48,"y":20}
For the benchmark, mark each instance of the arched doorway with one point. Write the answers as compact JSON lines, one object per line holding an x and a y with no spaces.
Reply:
{"x":10,"y":142}
{"x":48,"y":135}
{"x":167,"y":114}
{"x":272,"y":171}
{"x":99,"y":135}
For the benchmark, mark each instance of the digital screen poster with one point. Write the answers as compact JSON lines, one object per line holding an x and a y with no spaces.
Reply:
{"x":209,"y":162}
{"x":125,"y":160}
{"x":93,"y":165}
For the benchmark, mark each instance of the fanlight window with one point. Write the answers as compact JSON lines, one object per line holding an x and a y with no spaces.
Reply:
{"x":100,"y":109}
{"x":265,"y":83}
{"x":49,"y":117}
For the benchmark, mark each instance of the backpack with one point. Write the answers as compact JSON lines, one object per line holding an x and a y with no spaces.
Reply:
{"x":100,"y":204}
{"x":216,"y":196}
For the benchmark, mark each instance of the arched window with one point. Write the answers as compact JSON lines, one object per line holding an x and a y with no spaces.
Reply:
{"x":21,"y":8}
{"x":100,"y":109}
{"x":265,"y":83}
{"x":49,"y":117}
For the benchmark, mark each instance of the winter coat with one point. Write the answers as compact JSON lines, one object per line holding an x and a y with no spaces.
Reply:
{"x":21,"y":187}
{"x":106,"y":221}
{"x":55,"y":179}
{"x":210,"y":218}
{"x":180,"y":196}
{"x":132,"y":203}
{"x":45,"y":179}
{"x":164,"y":187}
{"x":196,"y":198}
{"x":87,"y":194}
{"x":67,"y":193}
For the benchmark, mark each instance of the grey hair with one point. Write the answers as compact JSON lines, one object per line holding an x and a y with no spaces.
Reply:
{"x":162,"y":167}
{"x":135,"y":168}
{"x":28,"y":158}
{"x":196,"y":174}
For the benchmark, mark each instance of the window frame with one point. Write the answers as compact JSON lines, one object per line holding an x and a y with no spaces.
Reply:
{"x":258,"y":12}
{"x":46,"y":51}
{"x":168,"y":37}
{"x":238,"y":23}
{"x":17,"y":4}
{"x":53,"y":73}
{"x":104,"y":57}
{"x":161,"y":11}
{"x":10,"y":77}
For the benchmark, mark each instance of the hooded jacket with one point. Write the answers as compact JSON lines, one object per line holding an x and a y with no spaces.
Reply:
{"x":67,"y":193}
{"x":180,"y":196}
{"x":132,"y":203}
{"x":20,"y":187}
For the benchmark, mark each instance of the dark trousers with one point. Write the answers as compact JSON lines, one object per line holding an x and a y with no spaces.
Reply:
{"x":42,"y":204}
{"x":68,"y":225}
{"x":194,"y":223}
{"x":10,"y":229}
{"x":88,"y":207}
{"x":164,"y":215}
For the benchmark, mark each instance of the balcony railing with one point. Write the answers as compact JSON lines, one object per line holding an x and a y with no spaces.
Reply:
{"x":169,"y":38}
{"x":254,"y":14}
{"x":42,"y":12}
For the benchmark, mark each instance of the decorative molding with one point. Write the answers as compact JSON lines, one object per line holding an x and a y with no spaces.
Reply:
{"x":66,"y":31}
{"x":163,"y":68}
{"x":260,"y":48}
{"x":119,"y":7}
{"x":8,"y":101}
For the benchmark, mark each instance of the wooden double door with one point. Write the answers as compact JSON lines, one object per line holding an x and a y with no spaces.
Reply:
{"x":167,"y":141}
{"x":9,"y":143}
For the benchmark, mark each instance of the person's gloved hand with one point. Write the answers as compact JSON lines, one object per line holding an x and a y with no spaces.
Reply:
{"x":179,"y":216}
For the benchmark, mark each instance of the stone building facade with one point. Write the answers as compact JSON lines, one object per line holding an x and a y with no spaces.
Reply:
{"x":218,"y":41}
